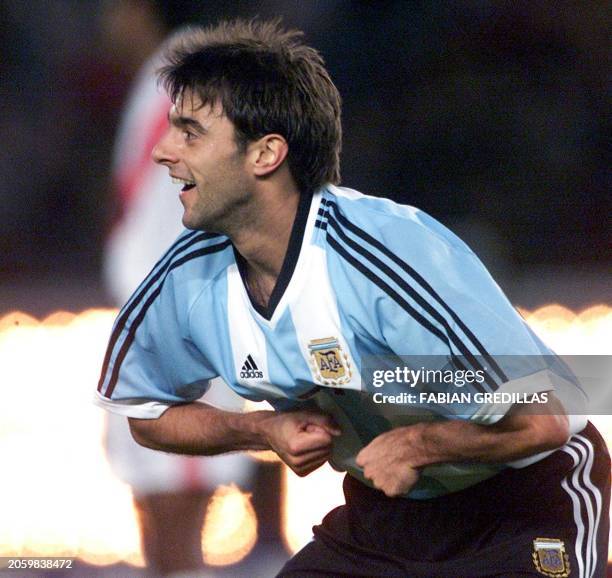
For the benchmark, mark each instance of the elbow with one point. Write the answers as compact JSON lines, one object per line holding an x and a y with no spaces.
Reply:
{"x":543,"y":427}
{"x":141,"y":432}
{"x":550,"y":432}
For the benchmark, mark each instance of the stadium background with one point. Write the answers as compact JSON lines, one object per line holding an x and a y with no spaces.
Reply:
{"x":491,"y":116}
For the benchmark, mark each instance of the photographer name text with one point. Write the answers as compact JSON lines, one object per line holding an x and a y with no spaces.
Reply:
{"x":463,"y":397}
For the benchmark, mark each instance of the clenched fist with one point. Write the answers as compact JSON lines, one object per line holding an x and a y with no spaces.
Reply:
{"x":302,"y":439}
{"x":386,"y":461}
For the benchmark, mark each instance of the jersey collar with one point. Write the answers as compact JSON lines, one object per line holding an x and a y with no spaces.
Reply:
{"x":301,"y":232}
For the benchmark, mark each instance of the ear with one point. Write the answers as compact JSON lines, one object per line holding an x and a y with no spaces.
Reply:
{"x":267,"y":154}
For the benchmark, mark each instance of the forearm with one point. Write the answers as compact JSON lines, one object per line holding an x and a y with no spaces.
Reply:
{"x":517,"y":436}
{"x":392,"y":460}
{"x":199,"y":429}
{"x":460,"y":441}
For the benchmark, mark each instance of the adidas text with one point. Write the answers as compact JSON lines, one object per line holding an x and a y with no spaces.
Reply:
{"x":251,"y":374}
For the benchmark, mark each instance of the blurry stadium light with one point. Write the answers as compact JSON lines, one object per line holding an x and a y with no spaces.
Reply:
{"x":306,"y":501}
{"x":58,"y":494}
{"x":230,"y":527}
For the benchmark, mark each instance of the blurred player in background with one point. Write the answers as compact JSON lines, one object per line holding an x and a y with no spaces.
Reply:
{"x":170,"y":491}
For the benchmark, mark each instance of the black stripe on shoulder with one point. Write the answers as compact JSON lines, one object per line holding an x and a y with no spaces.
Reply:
{"x":397,"y":298}
{"x":141,"y":314}
{"x":322,"y":215}
{"x":454,"y":338}
{"x":185,"y":240}
{"x":424,"y":284}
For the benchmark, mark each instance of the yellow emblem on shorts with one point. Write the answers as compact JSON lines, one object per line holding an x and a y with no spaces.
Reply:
{"x":330,"y":364}
{"x":550,"y":558}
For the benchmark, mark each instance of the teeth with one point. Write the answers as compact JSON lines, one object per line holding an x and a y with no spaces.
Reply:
{"x":177,"y":181}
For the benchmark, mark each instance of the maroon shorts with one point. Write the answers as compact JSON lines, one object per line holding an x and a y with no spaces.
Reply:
{"x":548,"y":519}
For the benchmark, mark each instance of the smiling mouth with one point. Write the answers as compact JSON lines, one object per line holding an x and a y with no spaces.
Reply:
{"x":187,"y":185}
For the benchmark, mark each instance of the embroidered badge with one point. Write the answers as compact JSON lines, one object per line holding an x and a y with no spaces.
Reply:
{"x":330,"y":364}
{"x":550,"y":558}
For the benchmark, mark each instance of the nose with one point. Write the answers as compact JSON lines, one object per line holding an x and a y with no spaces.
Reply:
{"x":163,"y":152}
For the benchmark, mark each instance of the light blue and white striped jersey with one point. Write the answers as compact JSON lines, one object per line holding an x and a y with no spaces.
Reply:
{"x":363,"y":276}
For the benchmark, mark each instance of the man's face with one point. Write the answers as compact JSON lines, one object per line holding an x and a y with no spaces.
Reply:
{"x":200,"y":151}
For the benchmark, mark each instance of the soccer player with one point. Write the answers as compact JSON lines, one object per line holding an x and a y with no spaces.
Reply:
{"x":284,"y":284}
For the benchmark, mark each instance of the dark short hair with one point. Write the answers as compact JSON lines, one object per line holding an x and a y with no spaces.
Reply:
{"x":267,"y":81}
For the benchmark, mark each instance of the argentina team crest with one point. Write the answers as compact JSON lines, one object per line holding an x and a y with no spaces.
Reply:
{"x":330,"y":363}
{"x":550,"y":558}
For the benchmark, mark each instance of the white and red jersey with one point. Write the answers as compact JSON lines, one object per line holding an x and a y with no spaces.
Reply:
{"x":147,"y":202}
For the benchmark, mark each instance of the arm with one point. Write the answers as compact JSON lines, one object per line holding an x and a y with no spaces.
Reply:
{"x":302,"y":439}
{"x":392,"y":460}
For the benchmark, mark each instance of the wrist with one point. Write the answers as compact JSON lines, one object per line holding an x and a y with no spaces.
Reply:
{"x":257,"y":427}
{"x":422,"y":452}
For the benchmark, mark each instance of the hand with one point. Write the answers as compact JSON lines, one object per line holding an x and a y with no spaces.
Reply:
{"x":302,"y":439}
{"x":386,"y":461}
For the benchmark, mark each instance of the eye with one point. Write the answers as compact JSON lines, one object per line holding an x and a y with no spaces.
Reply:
{"x":188,"y":135}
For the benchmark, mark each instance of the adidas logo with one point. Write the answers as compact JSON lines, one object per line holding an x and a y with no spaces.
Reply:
{"x":249,"y":369}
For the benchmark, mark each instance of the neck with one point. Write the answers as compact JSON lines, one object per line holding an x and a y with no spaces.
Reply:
{"x":264,"y":239}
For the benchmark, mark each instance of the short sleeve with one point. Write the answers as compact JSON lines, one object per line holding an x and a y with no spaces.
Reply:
{"x":151,"y":362}
{"x":433,"y":303}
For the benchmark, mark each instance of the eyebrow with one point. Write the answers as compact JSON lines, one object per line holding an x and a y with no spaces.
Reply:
{"x":184,"y":121}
